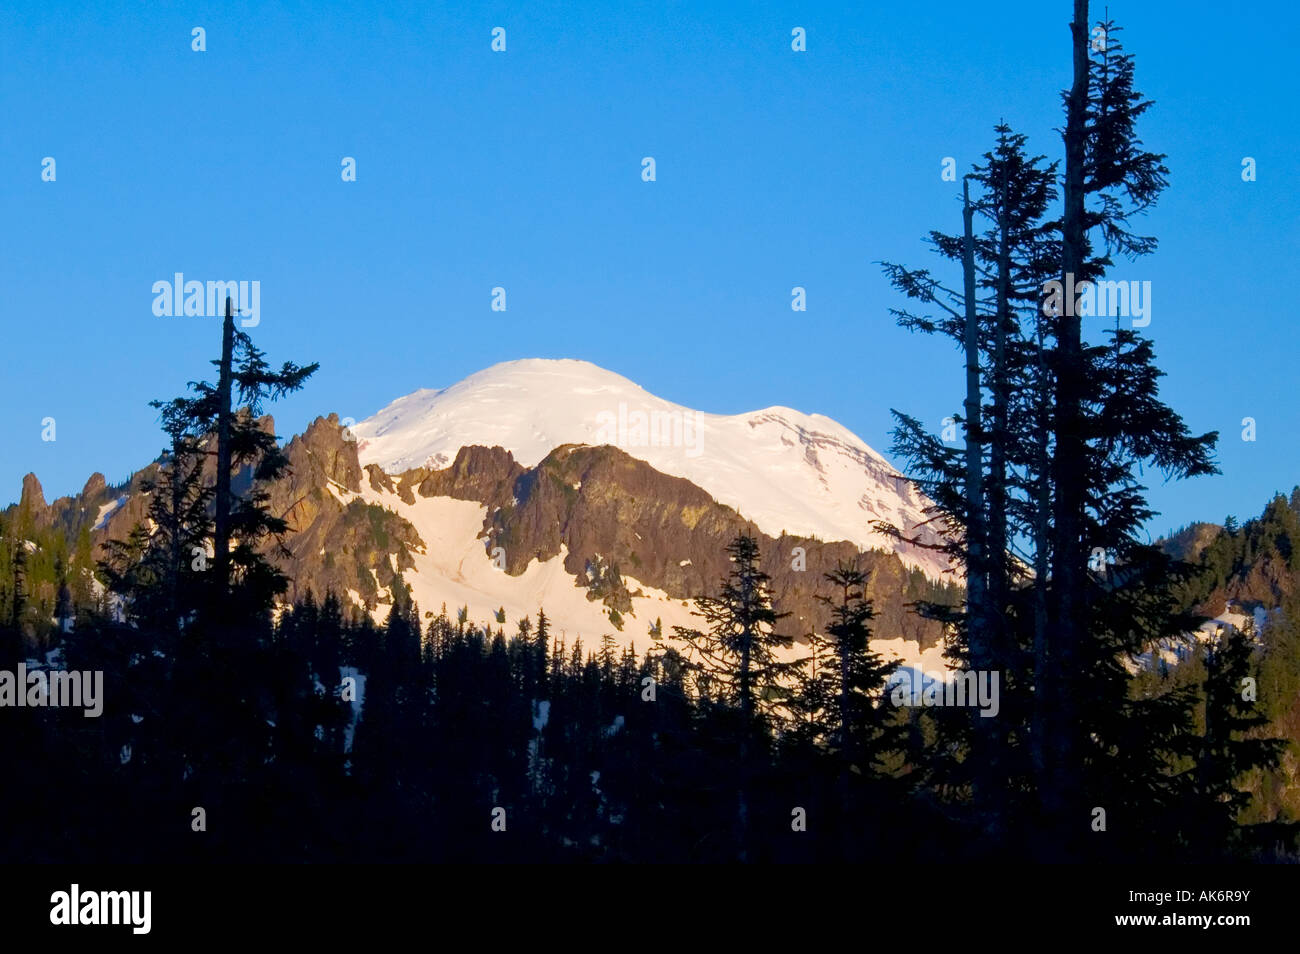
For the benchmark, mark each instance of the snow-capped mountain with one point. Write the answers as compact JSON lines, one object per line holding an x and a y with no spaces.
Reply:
{"x":786,"y":471}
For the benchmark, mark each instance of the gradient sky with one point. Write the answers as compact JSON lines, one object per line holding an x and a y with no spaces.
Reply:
{"x":522,"y":169}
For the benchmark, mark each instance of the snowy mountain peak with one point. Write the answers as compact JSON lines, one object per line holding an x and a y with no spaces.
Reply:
{"x":785,"y":470}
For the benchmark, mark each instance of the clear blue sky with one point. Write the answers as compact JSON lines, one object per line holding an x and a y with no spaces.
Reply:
{"x":522,"y":169}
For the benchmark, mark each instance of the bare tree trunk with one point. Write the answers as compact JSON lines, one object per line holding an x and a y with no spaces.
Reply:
{"x":221,"y":531}
{"x":1042,"y":551}
{"x":996,"y":535}
{"x":976,"y":571}
{"x":977,"y":614}
{"x":1069,"y":578}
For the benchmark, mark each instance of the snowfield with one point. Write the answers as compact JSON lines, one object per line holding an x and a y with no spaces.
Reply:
{"x":783,"y":469}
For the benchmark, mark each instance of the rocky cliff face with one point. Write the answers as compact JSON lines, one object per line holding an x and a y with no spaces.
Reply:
{"x":33,"y":499}
{"x":336,"y":545}
{"x":610,"y":515}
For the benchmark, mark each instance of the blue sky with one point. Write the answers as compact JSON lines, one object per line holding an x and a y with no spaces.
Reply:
{"x":522,"y":169}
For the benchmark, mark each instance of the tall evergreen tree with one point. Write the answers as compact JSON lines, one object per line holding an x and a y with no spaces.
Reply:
{"x":848,"y":683}
{"x":987,"y":498}
{"x":231,"y":409}
{"x":1230,"y":746}
{"x":1109,"y":422}
{"x":738,"y":653}
{"x":736,"y":661}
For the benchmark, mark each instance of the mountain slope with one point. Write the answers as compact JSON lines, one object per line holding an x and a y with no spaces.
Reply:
{"x":601,"y":540}
{"x":784,"y":470}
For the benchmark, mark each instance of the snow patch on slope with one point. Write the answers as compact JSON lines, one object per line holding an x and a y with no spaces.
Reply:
{"x":454,"y":569}
{"x":107,"y":510}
